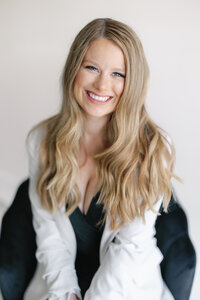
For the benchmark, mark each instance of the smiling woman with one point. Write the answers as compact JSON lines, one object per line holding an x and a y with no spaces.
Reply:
{"x":100,"y":80}
{"x":99,"y":171}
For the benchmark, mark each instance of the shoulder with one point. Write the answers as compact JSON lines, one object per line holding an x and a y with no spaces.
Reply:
{"x":167,"y":139}
{"x":34,"y":140}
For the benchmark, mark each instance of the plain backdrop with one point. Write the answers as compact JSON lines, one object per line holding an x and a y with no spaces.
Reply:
{"x":35,"y":36}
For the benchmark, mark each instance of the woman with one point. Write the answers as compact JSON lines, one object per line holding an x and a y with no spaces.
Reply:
{"x":99,"y":171}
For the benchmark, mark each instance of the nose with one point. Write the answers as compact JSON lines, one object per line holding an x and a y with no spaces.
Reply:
{"x":101,"y":82}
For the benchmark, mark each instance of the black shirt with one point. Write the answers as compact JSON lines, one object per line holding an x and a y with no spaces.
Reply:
{"x":88,"y":236}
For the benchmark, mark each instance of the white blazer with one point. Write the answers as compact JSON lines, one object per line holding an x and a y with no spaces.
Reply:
{"x":129,"y":258}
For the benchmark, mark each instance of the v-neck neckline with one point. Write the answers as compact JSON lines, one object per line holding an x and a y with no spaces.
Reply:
{"x":94,"y":215}
{"x":93,"y":201}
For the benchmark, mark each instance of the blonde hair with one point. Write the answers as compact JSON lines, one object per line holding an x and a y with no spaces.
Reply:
{"x":135,"y":169}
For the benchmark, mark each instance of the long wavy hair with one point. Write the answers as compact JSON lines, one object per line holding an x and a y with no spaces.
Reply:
{"x":135,"y":169}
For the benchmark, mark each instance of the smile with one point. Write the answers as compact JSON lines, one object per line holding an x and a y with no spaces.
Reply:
{"x":98,"y":99}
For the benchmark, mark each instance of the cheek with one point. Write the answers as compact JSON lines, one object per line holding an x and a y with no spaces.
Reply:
{"x":82,"y":78}
{"x":78,"y":79}
{"x":119,"y":88}
{"x":78,"y":83}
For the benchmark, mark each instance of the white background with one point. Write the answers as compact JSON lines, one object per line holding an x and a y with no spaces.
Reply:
{"x":35,"y":36}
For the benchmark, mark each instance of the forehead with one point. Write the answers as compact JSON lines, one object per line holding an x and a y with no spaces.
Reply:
{"x":103,"y":51}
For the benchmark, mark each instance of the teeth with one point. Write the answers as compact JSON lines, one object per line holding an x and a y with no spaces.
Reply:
{"x":103,"y":99}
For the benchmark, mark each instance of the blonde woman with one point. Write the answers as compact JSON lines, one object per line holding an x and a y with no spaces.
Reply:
{"x":99,"y":171}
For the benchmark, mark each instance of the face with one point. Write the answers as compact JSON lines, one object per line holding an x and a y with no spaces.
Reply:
{"x":100,"y":80}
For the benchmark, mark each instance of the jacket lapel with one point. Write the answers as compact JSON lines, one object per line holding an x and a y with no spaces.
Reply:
{"x":107,"y":237}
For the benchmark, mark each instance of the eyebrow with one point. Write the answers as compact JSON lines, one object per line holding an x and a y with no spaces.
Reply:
{"x":93,"y":62}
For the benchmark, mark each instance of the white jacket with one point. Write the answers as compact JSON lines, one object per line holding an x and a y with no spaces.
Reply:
{"x":129,"y":258}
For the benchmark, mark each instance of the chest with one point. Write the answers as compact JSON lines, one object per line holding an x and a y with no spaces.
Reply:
{"x":87,"y":181}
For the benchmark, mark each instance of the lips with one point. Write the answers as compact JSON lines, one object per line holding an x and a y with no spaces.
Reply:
{"x":98,"y":98}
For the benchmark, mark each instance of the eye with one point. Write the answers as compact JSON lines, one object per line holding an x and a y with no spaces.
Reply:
{"x":92,"y":68}
{"x":117,"y":74}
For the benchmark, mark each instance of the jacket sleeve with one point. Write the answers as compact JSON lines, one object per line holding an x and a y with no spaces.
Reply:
{"x":55,"y":253}
{"x":130,"y":265}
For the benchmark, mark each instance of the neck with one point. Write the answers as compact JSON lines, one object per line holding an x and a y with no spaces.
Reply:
{"x":95,"y":126}
{"x":94,"y":134}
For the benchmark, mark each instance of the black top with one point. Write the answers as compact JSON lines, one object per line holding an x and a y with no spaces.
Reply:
{"x":88,"y":236}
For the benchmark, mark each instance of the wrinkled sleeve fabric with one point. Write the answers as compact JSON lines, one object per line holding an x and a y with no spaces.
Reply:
{"x":55,"y":253}
{"x":130,"y":267}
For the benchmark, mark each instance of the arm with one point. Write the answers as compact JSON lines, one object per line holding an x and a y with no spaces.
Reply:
{"x":130,"y":265}
{"x":55,"y":253}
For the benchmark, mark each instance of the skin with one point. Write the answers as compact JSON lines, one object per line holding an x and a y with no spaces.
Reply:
{"x":73,"y":297}
{"x":102,"y":73}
